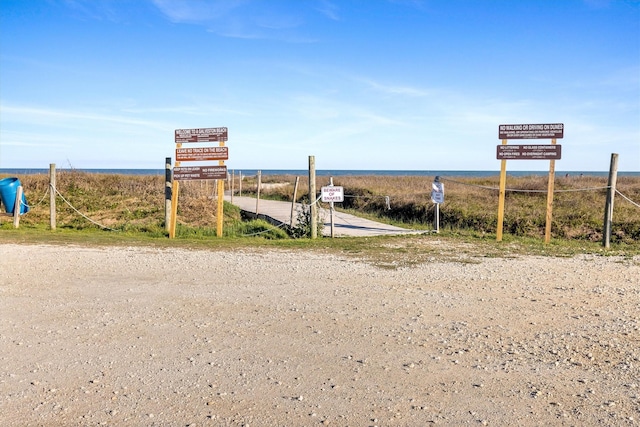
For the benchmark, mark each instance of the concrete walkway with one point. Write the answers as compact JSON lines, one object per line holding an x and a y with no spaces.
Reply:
{"x":345,"y":225}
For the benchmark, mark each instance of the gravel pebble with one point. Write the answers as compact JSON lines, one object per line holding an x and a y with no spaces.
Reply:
{"x":138,"y":336}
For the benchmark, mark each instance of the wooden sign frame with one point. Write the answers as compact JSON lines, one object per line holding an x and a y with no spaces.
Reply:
{"x":556,"y":130}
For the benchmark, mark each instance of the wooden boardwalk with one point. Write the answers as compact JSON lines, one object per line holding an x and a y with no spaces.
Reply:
{"x":345,"y":225}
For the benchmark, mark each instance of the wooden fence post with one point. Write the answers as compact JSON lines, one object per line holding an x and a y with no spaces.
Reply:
{"x":17,"y":207}
{"x":167,"y":194}
{"x":233,"y":179}
{"x":52,"y":196}
{"x":313,"y":208}
{"x":608,"y":206}
{"x":259,"y":184}
{"x":293,"y":201}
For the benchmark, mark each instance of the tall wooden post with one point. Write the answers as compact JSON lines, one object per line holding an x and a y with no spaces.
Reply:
{"x":550,"y":185}
{"x":503,"y":186}
{"x":313,"y":208}
{"x":174,"y":201}
{"x":608,"y":206}
{"x":293,"y":200}
{"x":259,"y":184}
{"x":233,"y":179}
{"x":167,"y":193}
{"x":220,"y":207}
{"x":52,"y":196}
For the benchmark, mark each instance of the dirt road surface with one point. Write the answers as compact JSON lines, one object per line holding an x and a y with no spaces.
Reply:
{"x":172,"y":337}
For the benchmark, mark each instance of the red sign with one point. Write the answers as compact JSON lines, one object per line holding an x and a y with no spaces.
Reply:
{"x":201,"y":135}
{"x":198,"y":154}
{"x":199,"y":172}
{"x":531,"y":131}
{"x":529,"y":152}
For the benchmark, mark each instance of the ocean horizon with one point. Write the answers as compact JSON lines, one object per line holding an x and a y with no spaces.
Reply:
{"x":327,"y":172}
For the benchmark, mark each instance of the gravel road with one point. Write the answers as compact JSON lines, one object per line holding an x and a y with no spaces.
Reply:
{"x":172,"y":337}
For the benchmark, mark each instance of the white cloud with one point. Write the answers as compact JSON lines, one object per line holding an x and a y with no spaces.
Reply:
{"x":247,"y":19}
{"x":624,"y":78}
{"x":598,"y":4}
{"x":99,"y":10}
{"x":180,"y":11}
{"x":394,"y":89}
{"x":329,"y":9}
{"x":62,"y":118}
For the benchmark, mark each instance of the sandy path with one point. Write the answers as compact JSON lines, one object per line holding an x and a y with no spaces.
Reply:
{"x":141,"y":337}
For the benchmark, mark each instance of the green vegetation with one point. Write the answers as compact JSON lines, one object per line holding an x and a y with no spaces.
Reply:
{"x":129,"y":210}
{"x":471,"y":204}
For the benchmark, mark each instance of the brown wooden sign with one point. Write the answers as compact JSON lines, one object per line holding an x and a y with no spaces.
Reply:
{"x":199,"y":172}
{"x":529,"y":152}
{"x":531,"y":131}
{"x":201,"y":135}
{"x":198,"y":154}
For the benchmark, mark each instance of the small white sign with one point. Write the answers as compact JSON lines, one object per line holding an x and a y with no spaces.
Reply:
{"x":332,"y":194}
{"x":437,"y":192}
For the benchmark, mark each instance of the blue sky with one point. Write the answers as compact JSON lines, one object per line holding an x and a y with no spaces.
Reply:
{"x":359,"y":84}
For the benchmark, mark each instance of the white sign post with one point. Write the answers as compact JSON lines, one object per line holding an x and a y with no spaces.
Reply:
{"x":437,"y":197}
{"x":332,"y":194}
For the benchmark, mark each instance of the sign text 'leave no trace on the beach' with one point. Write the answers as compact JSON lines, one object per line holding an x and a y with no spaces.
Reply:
{"x":202,"y":154}
{"x":531,"y":131}
{"x":201,"y":135}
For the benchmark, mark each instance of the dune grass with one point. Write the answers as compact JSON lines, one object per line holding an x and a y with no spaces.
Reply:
{"x":135,"y":205}
{"x":471,"y":204}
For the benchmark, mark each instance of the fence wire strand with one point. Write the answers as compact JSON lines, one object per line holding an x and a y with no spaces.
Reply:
{"x":317,"y":201}
{"x":80,"y":213}
{"x":515,"y":190}
{"x":628,"y":199}
{"x":37,"y":204}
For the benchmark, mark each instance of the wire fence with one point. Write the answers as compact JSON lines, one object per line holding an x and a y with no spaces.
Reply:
{"x":518,"y":190}
{"x":387,"y":200}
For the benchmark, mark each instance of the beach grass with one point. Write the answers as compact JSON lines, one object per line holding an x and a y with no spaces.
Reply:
{"x":471,"y":204}
{"x":135,"y":205}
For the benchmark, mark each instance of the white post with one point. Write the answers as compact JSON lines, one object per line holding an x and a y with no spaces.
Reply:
{"x":331,"y":211}
{"x":17,"y":207}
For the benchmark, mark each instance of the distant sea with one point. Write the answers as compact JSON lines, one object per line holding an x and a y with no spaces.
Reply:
{"x":329,"y":172}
